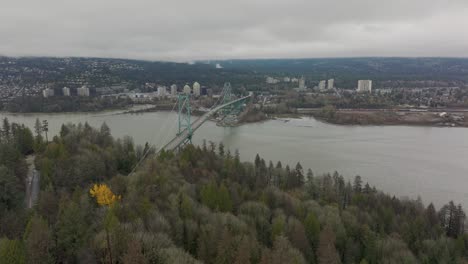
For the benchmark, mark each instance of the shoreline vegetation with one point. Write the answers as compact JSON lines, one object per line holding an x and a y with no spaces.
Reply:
{"x":94,"y":207}
{"x":388,"y":117}
{"x":36,"y":104}
{"x":328,"y":114}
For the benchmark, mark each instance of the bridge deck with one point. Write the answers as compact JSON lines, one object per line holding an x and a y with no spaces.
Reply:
{"x":179,"y":139}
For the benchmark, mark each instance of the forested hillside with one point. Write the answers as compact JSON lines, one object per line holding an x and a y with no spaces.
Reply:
{"x":202,"y":205}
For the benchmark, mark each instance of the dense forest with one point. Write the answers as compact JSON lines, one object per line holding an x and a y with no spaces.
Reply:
{"x":202,"y":205}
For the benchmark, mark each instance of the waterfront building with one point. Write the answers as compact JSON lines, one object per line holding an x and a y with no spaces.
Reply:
{"x":196,"y":89}
{"x":173,"y":89}
{"x":364,"y":86}
{"x":331,"y":84}
{"x":162,"y":91}
{"x":66,"y":91}
{"x":321,"y":85}
{"x":47,"y":92}
{"x":271,"y":80}
{"x":187,"y":89}
{"x":83,"y":91}
{"x":302,"y":83}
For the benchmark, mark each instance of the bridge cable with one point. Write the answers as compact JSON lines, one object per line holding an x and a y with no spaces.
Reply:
{"x":152,"y":144}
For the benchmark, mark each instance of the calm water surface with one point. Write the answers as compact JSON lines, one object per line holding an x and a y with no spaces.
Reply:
{"x":401,"y":160}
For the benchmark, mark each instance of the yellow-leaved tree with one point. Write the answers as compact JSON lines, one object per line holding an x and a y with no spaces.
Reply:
{"x":103,"y":194}
{"x":105,"y":197}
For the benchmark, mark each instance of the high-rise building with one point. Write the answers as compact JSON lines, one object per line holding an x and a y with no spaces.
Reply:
{"x":321,"y":85}
{"x":83,"y":91}
{"x":364,"y":86}
{"x":162,"y":91}
{"x":271,"y":80}
{"x":48,"y":92}
{"x":196,"y":89}
{"x":187,"y":89}
{"x":331,"y":84}
{"x":173,"y":89}
{"x":66,"y":91}
{"x":302,"y":83}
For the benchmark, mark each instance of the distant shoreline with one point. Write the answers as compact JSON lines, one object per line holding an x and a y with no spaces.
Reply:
{"x":393,"y":117}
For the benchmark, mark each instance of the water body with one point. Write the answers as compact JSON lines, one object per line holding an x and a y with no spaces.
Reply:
{"x":406,"y":161}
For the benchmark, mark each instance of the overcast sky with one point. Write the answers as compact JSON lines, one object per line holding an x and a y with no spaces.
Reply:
{"x":183,"y":30}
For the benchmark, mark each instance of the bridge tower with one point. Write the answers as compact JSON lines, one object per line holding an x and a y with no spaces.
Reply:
{"x":227,"y":97}
{"x":227,"y":93}
{"x":184,"y":118}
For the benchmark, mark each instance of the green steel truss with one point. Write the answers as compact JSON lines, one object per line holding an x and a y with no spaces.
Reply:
{"x":184,"y":118}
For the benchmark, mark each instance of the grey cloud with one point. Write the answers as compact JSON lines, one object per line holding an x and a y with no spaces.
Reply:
{"x":215,"y":29}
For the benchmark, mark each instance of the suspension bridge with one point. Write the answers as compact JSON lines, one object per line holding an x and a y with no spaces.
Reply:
{"x":226,"y":105}
{"x":186,"y":129}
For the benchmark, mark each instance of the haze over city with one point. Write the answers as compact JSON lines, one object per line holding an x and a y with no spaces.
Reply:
{"x":193,"y":30}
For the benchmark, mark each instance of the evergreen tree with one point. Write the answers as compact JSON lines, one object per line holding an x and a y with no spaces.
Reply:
{"x":310,"y":175}
{"x":357,"y":184}
{"x":71,"y":232}
{"x":45,"y":128}
{"x":11,"y":251}
{"x":38,"y":128}
{"x":312,"y":229}
{"x":221,"y":149}
{"x":278,"y":165}
{"x":6,"y":129}
{"x":38,"y":241}
{"x":326,"y":252}
{"x":299,"y":175}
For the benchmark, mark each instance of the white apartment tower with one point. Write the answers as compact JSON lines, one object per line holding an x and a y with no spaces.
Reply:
{"x":196,"y":89}
{"x":302,"y":83}
{"x":48,"y":92}
{"x":83,"y":91}
{"x":187,"y":89}
{"x":322,"y":85}
{"x":66,"y":91}
{"x":162,"y":91}
{"x":364,"y":86}
{"x":173,"y":89}
{"x":331,"y":84}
